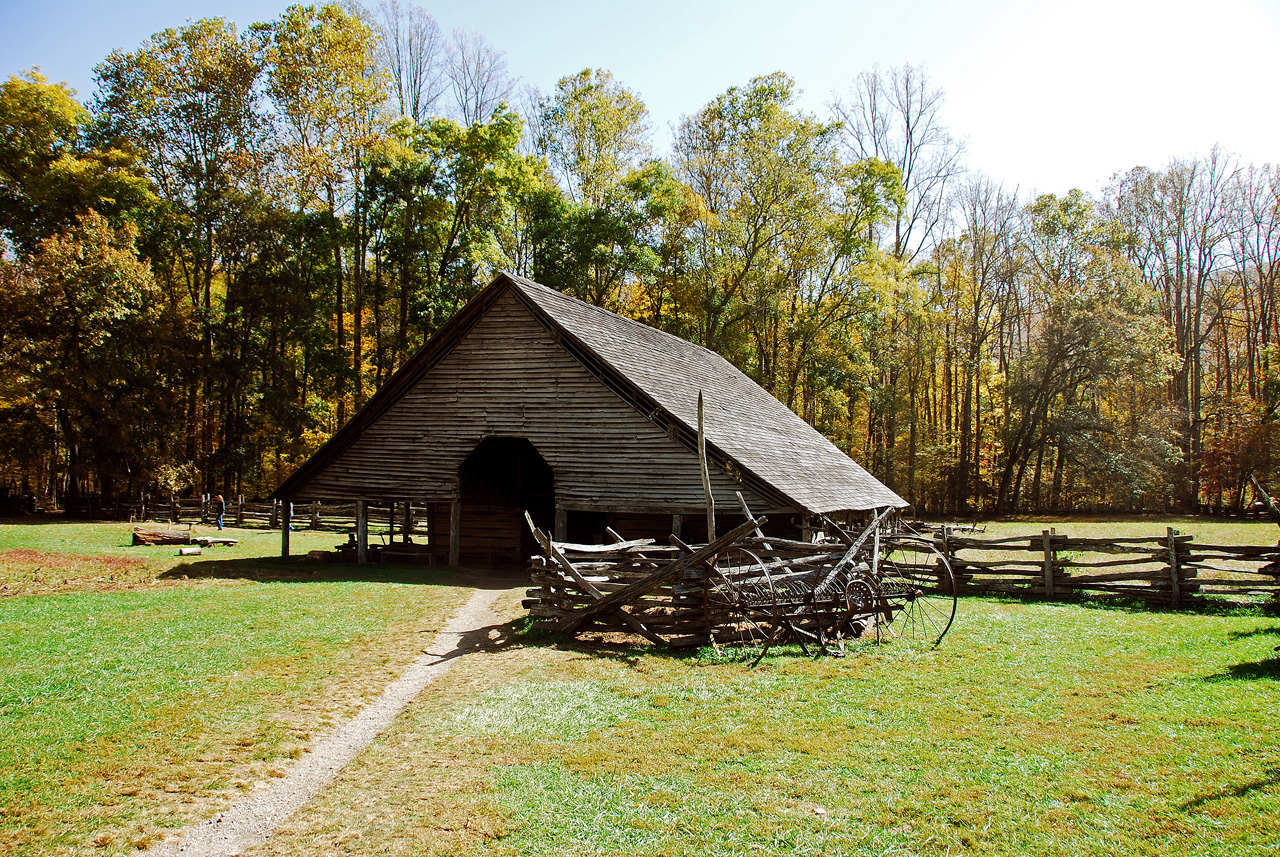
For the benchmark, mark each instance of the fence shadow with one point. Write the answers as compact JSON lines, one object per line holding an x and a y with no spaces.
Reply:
{"x":1269,"y":778}
{"x":276,"y":570}
{"x":1256,"y":632}
{"x":497,"y":637}
{"x":1263,"y":669}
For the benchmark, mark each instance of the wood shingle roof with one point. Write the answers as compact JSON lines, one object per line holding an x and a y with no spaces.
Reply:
{"x":759,"y":433}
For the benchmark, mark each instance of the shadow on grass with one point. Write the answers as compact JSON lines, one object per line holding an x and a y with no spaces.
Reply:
{"x":1269,"y":778}
{"x":1126,"y":604}
{"x":490,"y":638}
{"x":1267,"y":668}
{"x":275,"y":570}
{"x":1256,"y":632}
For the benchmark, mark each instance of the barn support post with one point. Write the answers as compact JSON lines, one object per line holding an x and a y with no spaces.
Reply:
{"x":391,"y":522}
{"x":362,"y":532}
{"x":455,"y":534}
{"x":408,"y":520}
{"x":284,"y":529}
{"x":677,"y":526}
{"x":562,"y":525}
{"x":433,"y":534}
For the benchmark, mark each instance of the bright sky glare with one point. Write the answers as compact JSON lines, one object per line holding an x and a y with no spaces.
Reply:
{"x":1047,"y":95}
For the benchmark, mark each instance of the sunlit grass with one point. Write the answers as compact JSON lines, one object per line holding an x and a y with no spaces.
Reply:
{"x":1036,"y":729}
{"x":132,"y":699}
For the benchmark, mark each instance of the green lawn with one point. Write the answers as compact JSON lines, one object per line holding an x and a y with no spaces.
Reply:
{"x":136,"y":690}
{"x":1036,"y":729}
{"x":1209,"y":530}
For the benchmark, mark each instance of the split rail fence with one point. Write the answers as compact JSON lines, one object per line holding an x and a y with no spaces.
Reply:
{"x":247,"y":513}
{"x":1171,"y":570}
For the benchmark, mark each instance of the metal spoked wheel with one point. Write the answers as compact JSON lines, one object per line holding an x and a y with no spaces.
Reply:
{"x":742,"y":602}
{"x":917,"y":591}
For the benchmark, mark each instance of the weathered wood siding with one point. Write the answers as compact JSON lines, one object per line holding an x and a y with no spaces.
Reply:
{"x":509,"y":378}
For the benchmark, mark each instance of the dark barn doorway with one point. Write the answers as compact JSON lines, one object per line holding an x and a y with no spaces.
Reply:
{"x":501,"y":479}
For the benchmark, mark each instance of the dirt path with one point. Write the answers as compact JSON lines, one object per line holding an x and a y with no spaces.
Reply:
{"x":252,"y":819}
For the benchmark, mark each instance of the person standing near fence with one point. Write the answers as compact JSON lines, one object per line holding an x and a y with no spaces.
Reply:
{"x":222,"y":509}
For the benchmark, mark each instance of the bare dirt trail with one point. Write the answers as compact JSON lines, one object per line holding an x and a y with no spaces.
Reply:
{"x":251,"y":819}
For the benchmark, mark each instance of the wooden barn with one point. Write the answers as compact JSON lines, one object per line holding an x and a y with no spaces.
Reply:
{"x":528,"y":399}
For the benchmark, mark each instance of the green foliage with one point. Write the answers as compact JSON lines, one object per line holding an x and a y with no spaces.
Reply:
{"x":970,"y":348}
{"x":50,"y":174}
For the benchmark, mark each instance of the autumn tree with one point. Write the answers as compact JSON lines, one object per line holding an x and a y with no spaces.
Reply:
{"x":593,"y":132}
{"x":326,"y":84}
{"x":1091,"y":322}
{"x":80,"y":334}
{"x":50,"y":170}
{"x":1179,"y":220}
{"x":751,"y":160}
{"x":187,"y":99}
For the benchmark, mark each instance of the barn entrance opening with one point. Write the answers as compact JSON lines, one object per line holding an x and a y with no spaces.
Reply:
{"x":501,"y":479}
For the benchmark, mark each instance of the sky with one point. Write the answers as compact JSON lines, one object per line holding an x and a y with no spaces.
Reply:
{"x":1046,"y":96}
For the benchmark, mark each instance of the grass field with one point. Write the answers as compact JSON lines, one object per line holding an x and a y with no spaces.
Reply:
{"x":136,"y":690}
{"x":1036,"y":729}
{"x":1209,"y":530}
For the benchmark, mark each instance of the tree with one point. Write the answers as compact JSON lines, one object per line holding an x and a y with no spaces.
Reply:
{"x":1091,"y":323}
{"x":978,"y":273}
{"x":324,"y":79}
{"x":413,"y":53}
{"x":79,"y":329}
{"x":594,"y":132}
{"x":50,"y":174}
{"x":895,"y":117}
{"x":1178,"y":222}
{"x":478,"y":77}
{"x":752,"y":163}
{"x":187,"y":98}
{"x":445,"y":194}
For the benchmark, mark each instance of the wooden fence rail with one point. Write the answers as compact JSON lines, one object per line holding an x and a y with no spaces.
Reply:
{"x":249,"y":513}
{"x":1170,"y":570}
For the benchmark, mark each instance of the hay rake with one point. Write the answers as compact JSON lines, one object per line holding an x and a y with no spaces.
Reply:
{"x":895,"y":586}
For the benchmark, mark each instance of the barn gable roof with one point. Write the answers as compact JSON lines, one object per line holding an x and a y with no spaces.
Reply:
{"x":777,"y":453}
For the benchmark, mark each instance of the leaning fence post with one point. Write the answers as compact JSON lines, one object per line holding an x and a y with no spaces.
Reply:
{"x":944,"y":548}
{"x":1174,"y":582}
{"x":1046,"y":538}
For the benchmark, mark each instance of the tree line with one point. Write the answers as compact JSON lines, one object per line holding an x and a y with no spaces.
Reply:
{"x":211,"y":265}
